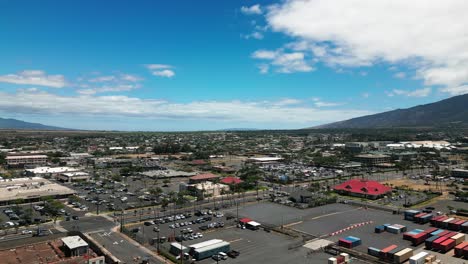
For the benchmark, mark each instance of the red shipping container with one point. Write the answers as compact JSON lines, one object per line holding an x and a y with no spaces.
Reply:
{"x":436,"y":243}
{"x":459,"y":249}
{"x":340,"y":259}
{"x":465,"y":252}
{"x":430,"y":230}
{"x":344,"y":243}
{"x":439,"y":221}
{"x":443,"y":233}
{"x":457,"y":225}
{"x":435,"y":219}
{"x":450,"y":234}
{"x":447,"y":245}
{"x":419,"y":238}
{"x":383,"y":252}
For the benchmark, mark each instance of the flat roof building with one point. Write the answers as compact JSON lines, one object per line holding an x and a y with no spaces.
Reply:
{"x":31,"y":189}
{"x":74,"y":246}
{"x":372,"y":159}
{"x":26,"y":160}
{"x":73,"y":176}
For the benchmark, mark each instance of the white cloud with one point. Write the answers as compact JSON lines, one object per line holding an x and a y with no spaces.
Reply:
{"x":130,"y":78}
{"x":109,"y":88}
{"x":365,"y":95}
{"x":459,"y":90}
{"x":319,"y":103}
{"x":35,"y":77}
{"x":264,"y":68}
{"x":286,"y":111}
{"x":415,"y":93}
{"x":429,"y":36}
{"x":284,"y":62}
{"x":164,"y":73}
{"x":161,"y":70}
{"x":252,"y":10}
{"x":399,"y":75}
{"x":254,"y":35}
{"x":288,"y":101}
{"x":103,"y":79}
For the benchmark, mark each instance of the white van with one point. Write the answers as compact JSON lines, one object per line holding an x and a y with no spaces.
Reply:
{"x":223,"y":255}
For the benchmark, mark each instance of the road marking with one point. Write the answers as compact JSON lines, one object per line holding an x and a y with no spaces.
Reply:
{"x":235,"y":240}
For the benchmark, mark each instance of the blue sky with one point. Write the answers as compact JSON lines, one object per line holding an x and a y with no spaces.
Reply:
{"x":196,"y":65}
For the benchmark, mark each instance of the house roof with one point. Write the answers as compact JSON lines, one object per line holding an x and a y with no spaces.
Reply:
{"x":231,"y":180}
{"x":204,"y":176}
{"x":363,"y":187}
{"x":198,"y":162}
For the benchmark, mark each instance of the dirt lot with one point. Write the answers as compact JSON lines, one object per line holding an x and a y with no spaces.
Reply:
{"x":418,"y":184}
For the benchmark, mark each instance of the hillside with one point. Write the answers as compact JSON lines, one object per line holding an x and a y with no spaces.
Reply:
{"x":18,"y":124}
{"x":446,"y":113}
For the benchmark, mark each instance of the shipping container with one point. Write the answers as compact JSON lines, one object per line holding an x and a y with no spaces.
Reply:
{"x":409,"y":214}
{"x":437,"y":232}
{"x":447,"y":245}
{"x":403,"y":255}
{"x":430,"y":229}
{"x":464,"y":227}
{"x":345,"y":243}
{"x":445,"y":223}
{"x":459,"y":249}
{"x":384,"y":251}
{"x":444,"y":233}
{"x":451,"y":224}
{"x":436,"y":243}
{"x":419,"y":258}
{"x":429,"y":241}
{"x":425,"y":219}
{"x":438,"y":222}
{"x":434,"y":219}
{"x":456,"y":226}
{"x":450,"y":234}
{"x":373,"y":251}
{"x":391,"y":253}
{"x":332,"y":261}
{"x":459,"y":238}
{"x":379,"y":229}
{"x":419,"y":238}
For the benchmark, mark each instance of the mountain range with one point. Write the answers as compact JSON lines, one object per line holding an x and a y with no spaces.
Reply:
{"x":445,"y":113}
{"x":21,"y":125}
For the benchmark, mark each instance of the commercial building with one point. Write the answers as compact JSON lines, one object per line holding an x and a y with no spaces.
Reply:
{"x":73,"y":176}
{"x":16,"y":161}
{"x":74,"y":246}
{"x":372,"y":159}
{"x":459,"y":173}
{"x":49,"y":171}
{"x":31,"y":189}
{"x":264,"y":160}
{"x":203,"y":177}
{"x":208,"y":188}
{"x":363,"y":188}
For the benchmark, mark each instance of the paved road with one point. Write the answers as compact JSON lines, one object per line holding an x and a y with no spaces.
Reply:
{"x":121,"y":248}
{"x":88,"y":224}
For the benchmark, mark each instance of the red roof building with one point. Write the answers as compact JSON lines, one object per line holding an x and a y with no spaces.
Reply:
{"x":198,"y":162}
{"x":231,"y":180}
{"x":363,"y":188}
{"x":203,"y":177}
